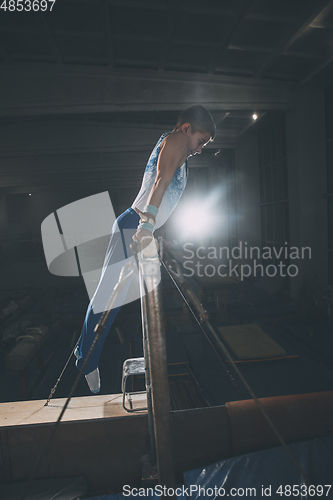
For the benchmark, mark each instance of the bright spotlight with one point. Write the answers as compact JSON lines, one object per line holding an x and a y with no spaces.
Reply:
{"x":195,"y":219}
{"x":254,"y":116}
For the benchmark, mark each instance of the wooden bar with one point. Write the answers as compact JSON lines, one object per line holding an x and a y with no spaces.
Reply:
{"x":103,"y":443}
{"x":82,"y":408}
{"x":97,"y":439}
{"x":100,"y":441}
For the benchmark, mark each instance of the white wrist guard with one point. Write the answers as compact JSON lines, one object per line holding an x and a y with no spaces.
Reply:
{"x":145,"y":217}
{"x":146,"y":225}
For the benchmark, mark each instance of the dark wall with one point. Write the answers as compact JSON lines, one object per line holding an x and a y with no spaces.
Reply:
{"x":329,"y":155}
{"x":282,"y":178}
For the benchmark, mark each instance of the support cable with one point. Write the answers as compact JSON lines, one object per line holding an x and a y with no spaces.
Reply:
{"x":61,"y":374}
{"x":234,"y":382}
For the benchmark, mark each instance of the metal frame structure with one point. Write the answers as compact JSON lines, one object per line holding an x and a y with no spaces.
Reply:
{"x":175,"y":272}
{"x":158,"y":396}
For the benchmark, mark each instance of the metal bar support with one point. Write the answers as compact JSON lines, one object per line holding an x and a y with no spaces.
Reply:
{"x":152,"y":313}
{"x":147,"y":374}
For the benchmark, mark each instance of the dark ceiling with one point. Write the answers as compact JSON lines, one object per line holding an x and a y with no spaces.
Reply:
{"x":264,"y":45}
{"x":289,"y":41}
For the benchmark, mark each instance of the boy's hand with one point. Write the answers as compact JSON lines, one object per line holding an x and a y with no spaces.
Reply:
{"x":140,"y":234}
{"x":142,"y":214}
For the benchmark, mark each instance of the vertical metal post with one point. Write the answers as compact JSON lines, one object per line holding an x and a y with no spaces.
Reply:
{"x":147,"y":374}
{"x":150,"y":278}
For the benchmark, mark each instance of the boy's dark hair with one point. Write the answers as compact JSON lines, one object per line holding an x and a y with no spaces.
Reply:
{"x":199,"y":118}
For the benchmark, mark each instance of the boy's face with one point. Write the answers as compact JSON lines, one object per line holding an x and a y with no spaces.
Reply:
{"x":196,"y":141}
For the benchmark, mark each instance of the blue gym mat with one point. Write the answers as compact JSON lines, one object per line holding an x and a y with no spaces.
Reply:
{"x":270,"y":471}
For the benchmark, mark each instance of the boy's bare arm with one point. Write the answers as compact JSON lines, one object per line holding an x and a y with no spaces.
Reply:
{"x":172,"y":155}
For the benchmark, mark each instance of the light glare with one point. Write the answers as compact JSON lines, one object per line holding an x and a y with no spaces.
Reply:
{"x":195,"y":220}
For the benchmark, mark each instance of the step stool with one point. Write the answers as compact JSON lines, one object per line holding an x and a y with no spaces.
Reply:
{"x":132,"y":366}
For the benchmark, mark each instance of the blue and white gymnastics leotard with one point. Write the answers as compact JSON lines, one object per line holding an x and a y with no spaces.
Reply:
{"x":121,"y":237}
{"x":173,"y":193}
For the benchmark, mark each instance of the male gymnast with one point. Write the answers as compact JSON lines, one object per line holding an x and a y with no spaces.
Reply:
{"x":163,"y":184}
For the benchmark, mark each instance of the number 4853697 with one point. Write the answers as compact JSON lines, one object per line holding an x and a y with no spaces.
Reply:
{"x":27,"y":5}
